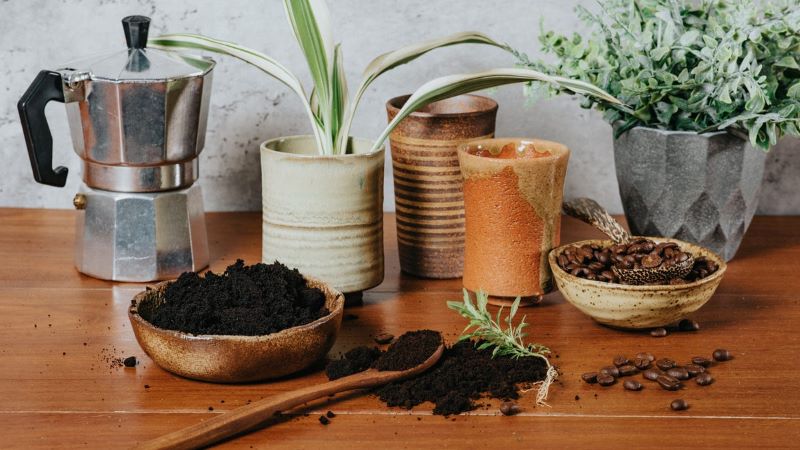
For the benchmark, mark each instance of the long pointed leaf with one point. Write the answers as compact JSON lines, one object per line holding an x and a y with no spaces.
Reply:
{"x":339,"y":99}
{"x":453,"y":85}
{"x":390,"y":60}
{"x":250,"y":56}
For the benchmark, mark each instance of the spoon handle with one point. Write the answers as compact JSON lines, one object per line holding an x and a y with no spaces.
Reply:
{"x":592,"y":213}
{"x":249,"y":416}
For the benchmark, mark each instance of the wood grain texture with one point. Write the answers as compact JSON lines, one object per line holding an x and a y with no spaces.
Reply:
{"x":56,"y":391}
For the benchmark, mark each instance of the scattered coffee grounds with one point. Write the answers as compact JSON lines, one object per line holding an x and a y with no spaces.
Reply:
{"x":355,"y":360}
{"x":462,"y":375}
{"x":330,"y":414}
{"x":594,"y":262}
{"x":384,"y":338}
{"x":324,"y":420}
{"x":244,"y":300}
{"x":410,"y":350}
{"x":130,"y":361}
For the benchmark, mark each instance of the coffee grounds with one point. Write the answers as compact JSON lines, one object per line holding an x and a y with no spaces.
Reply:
{"x":465,"y":374}
{"x":410,"y":350}
{"x":244,"y":300}
{"x":355,"y":360}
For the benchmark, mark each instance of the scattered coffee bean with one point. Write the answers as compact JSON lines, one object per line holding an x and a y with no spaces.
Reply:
{"x":610,"y":370}
{"x":694,"y":369}
{"x":679,"y":405}
{"x":621,"y":360}
{"x":641,"y":363}
{"x":652,"y":374}
{"x":646,"y":355}
{"x":701,"y":361}
{"x":627,"y":370}
{"x":130,"y":361}
{"x":679,"y":373}
{"x":704,"y":379}
{"x":632,"y":385}
{"x":384,"y":338}
{"x":721,"y":354}
{"x":665,"y":364}
{"x":330,"y":414}
{"x":324,"y":420}
{"x":509,"y":408}
{"x":605,"y":379}
{"x":669,"y":383}
{"x":659,"y":332}
{"x":688,"y":325}
{"x":590,"y":377}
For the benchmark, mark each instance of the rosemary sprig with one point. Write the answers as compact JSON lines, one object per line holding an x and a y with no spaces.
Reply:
{"x":489,"y":332}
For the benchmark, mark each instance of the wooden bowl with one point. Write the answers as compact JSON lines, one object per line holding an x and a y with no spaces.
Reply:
{"x":238,"y":359}
{"x":626,"y":306}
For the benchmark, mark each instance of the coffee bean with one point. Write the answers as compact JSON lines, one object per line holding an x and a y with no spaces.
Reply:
{"x":669,"y":383}
{"x":721,"y":354}
{"x":130,"y":361}
{"x":688,"y":325}
{"x":679,"y":373}
{"x":694,"y":369}
{"x":665,"y":364}
{"x":605,"y":380}
{"x":589,"y":377}
{"x":651,"y":261}
{"x":678,"y":405}
{"x":627,"y":370}
{"x":384,"y":338}
{"x":632,"y":385}
{"x":646,"y":355}
{"x":701,"y":361}
{"x":610,"y":371}
{"x":596,"y":265}
{"x":621,"y":360}
{"x":509,"y":408}
{"x":652,"y":374}
{"x":658,"y":332}
{"x":704,"y":379}
{"x":562,"y":260}
{"x":641,"y":363}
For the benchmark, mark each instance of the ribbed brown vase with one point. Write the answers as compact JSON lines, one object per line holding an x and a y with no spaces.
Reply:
{"x":427,"y":180}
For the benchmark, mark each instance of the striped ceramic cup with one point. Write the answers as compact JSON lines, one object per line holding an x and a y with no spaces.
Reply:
{"x":428,"y":183}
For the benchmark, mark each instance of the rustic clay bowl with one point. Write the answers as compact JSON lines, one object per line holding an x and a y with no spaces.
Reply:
{"x":238,"y":359}
{"x":626,"y":306}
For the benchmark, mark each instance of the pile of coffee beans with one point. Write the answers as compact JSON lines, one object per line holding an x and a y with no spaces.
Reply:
{"x":595,"y":262}
{"x":665,"y":372}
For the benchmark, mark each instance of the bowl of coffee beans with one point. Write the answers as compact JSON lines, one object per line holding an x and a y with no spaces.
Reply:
{"x":247,"y":324}
{"x":586,"y":274}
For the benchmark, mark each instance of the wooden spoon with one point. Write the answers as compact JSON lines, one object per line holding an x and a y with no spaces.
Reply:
{"x":246,"y":417}
{"x":591,"y":212}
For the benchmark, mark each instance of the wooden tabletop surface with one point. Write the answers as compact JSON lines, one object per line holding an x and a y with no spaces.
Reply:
{"x":58,"y":328}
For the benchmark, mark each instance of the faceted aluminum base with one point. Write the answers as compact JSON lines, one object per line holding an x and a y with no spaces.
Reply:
{"x":140,"y":237}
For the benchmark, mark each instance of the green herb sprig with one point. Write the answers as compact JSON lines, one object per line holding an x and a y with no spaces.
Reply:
{"x":488,"y":332}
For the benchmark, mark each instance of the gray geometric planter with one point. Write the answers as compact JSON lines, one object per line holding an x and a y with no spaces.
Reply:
{"x":701,"y":188}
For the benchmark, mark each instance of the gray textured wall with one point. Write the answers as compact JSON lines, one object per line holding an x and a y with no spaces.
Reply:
{"x":248,"y":107}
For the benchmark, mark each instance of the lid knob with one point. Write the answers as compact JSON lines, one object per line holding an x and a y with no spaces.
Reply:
{"x":136,"y":28}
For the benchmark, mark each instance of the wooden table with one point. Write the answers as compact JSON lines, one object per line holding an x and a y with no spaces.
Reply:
{"x":57,"y":329}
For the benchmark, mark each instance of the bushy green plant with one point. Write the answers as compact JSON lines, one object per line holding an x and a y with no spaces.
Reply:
{"x":691,"y":65}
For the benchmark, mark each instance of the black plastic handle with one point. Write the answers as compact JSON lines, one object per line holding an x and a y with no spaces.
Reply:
{"x":136,"y":28}
{"x":45,"y":87}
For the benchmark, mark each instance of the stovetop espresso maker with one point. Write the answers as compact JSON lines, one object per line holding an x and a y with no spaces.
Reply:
{"x":137,"y":119}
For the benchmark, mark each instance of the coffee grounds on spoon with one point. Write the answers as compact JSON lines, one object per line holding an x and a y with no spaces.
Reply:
{"x":244,"y":300}
{"x":410,"y":350}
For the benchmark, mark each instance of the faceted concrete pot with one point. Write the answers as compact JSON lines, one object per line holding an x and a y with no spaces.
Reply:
{"x":701,"y":188}
{"x":428,"y":189}
{"x":323,"y":214}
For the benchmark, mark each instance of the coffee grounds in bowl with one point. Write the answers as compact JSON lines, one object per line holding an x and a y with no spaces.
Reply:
{"x":244,"y":300}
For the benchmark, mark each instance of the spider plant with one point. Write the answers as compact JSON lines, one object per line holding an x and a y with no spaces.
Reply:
{"x":329,"y":107}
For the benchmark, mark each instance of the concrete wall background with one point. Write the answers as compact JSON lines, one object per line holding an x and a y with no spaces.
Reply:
{"x":248,"y":107}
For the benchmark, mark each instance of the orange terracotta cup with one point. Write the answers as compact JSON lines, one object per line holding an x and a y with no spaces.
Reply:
{"x":513,"y":190}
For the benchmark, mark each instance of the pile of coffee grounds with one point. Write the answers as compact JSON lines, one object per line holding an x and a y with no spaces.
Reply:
{"x":244,"y":300}
{"x":462,"y":375}
{"x":410,"y":350}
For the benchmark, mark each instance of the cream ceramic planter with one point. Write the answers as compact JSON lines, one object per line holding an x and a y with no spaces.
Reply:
{"x":323,"y":214}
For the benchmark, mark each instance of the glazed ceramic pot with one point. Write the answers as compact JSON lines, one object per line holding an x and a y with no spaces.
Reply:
{"x":701,"y":188}
{"x":427,"y":181}
{"x":323,"y":214}
{"x":513,"y":217}
{"x":645,"y":306}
